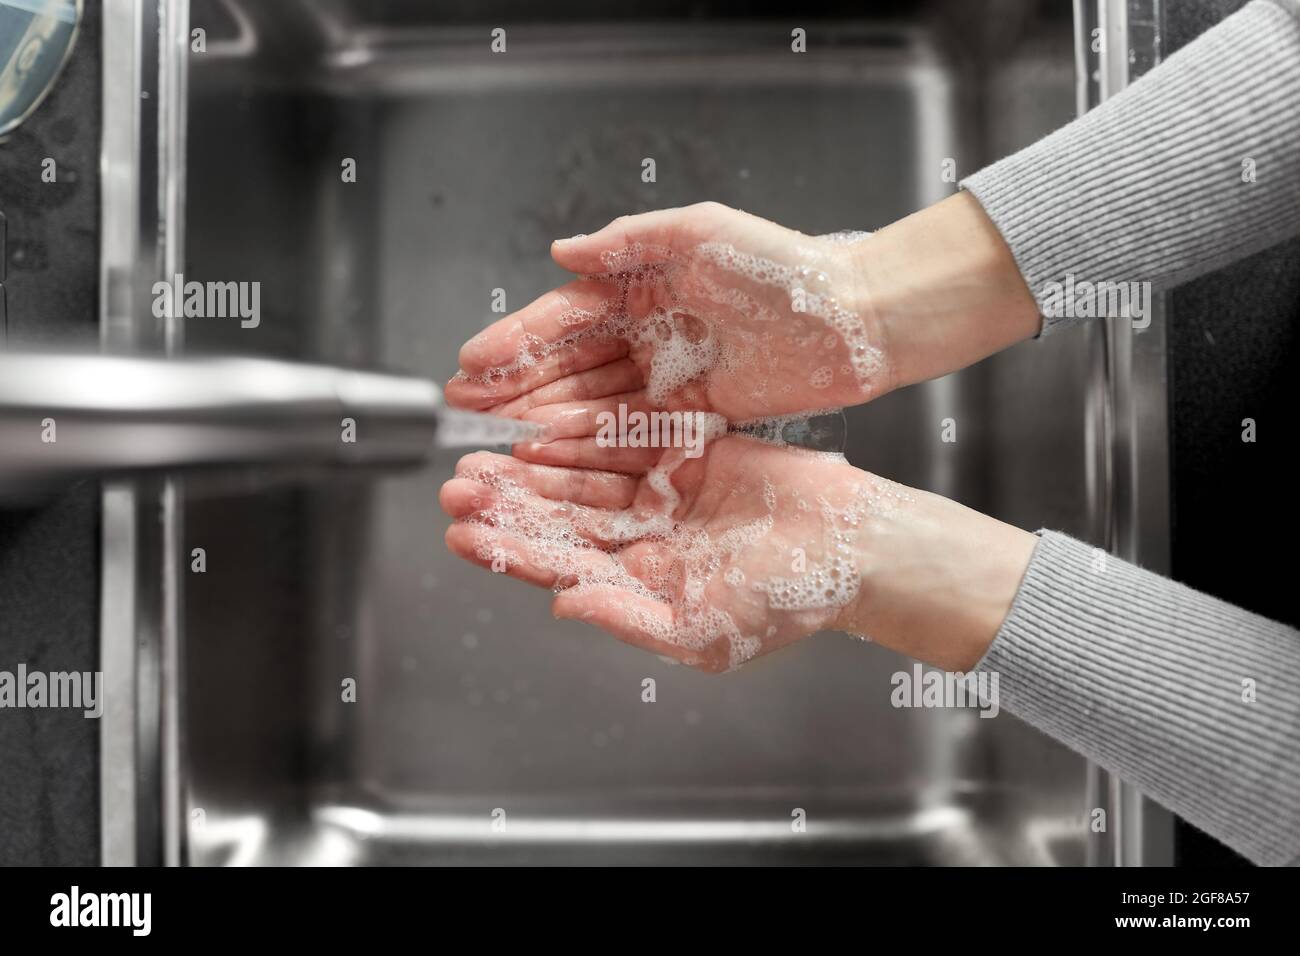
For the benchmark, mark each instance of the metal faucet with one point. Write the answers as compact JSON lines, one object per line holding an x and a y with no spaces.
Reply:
{"x":65,"y":416}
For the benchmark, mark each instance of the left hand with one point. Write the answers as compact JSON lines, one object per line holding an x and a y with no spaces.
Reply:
{"x":764,"y":546}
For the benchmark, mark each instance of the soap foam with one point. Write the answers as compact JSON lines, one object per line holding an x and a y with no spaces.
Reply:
{"x":865,"y":358}
{"x":698,"y":317}
{"x":697,"y":572}
{"x":695,"y":316}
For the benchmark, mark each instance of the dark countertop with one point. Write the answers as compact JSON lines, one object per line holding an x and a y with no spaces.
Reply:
{"x":49,"y":555}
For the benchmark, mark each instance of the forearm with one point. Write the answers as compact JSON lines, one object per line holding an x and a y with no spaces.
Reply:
{"x":1191,"y":699}
{"x":937,"y":578}
{"x":1192,"y":167}
{"x":945,"y":290}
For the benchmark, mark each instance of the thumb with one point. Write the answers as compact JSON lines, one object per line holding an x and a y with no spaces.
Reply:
{"x":631,"y":241}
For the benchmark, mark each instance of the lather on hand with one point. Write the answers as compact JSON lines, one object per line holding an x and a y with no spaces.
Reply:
{"x":715,"y":560}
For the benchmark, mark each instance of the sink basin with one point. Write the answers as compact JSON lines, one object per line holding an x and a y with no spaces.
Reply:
{"x":484,"y":731}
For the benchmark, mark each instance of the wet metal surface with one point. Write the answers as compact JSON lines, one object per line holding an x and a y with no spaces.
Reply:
{"x":471,"y":699}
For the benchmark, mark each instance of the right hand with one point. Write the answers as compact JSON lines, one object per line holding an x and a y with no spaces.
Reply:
{"x":702,"y":307}
{"x":771,"y":321}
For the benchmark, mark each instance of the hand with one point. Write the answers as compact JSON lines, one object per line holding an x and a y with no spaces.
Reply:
{"x":717,"y":559}
{"x":765,"y":545}
{"x":703,"y":307}
{"x":759,"y":550}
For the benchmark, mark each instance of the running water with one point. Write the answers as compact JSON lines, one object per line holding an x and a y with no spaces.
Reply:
{"x":462,"y":429}
{"x":821,"y":431}
{"x":817,"y":431}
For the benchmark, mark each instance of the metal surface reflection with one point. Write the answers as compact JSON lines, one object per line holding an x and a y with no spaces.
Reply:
{"x":471,"y":699}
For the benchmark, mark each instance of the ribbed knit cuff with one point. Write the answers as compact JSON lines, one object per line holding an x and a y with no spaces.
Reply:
{"x":1194,"y":701}
{"x":1195,"y":165}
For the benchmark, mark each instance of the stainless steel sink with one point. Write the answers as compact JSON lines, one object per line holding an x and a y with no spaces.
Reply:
{"x":483,"y":730}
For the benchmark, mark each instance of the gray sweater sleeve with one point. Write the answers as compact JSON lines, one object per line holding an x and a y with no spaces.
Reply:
{"x":1193,"y":700}
{"x":1194,"y":166}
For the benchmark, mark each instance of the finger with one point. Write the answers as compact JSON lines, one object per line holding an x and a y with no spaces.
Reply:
{"x":505,"y":553}
{"x":483,"y":392}
{"x":596,"y":489}
{"x":531,"y":515}
{"x":584,"y":419}
{"x":493,"y":549}
{"x":460,"y":497}
{"x":586,"y":453}
{"x":631,"y":617}
{"x":618,"y":376}
{"x":544,"y":321}
{"x":663,"y":235}
{"x":630,"y":241}
{"x":640,"y":621}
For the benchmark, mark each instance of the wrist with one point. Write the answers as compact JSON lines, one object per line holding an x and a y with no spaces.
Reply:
{"x":936,"y":579}
{"x":944,"y":289}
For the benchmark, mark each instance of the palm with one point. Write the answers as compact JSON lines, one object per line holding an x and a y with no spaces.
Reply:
{"x":747,"y":563}
{"x":708,"y":309}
